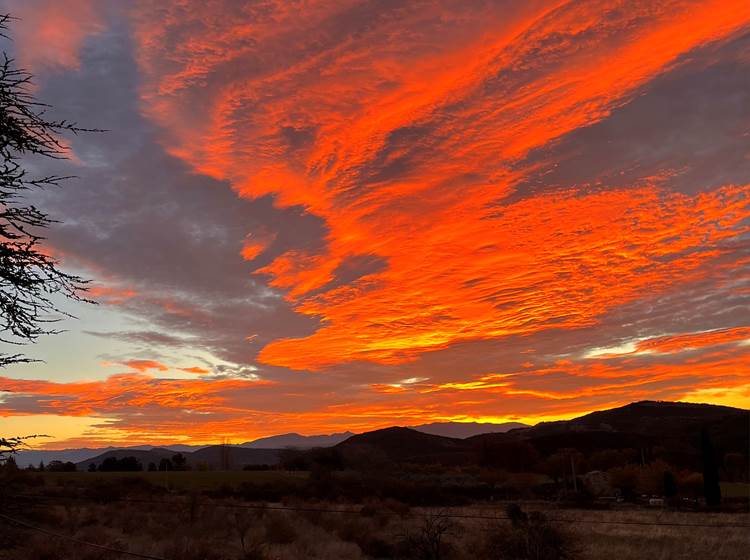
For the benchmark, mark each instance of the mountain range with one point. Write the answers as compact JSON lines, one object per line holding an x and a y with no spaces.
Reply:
{"x":277,"y":442}
{"x":670,"y":430}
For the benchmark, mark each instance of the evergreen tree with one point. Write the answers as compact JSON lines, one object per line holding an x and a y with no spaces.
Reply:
{"x":711,"y":487}
{"x":31,"y":284}
{"x":670,"y":486}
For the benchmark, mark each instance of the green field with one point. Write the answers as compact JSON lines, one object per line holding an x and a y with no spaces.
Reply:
{"x":735,"y":490}
{"x":179,"y":480}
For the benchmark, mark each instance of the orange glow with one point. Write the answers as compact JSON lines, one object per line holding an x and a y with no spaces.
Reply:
{"x":458,"y":256}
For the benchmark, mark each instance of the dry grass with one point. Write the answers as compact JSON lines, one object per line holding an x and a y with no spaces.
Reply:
{"x":199,"y":530}
{"x":179,"y":480}
{"x":630,"y":542}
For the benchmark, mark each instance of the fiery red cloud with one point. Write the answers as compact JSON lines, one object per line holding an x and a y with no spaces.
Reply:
{"x":459,"y":257}
{"x":425,"y":139}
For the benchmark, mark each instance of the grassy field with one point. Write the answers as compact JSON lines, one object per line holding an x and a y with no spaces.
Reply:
{"x":196,"y":516}
{"x":179,"y":480}
{"x":212,"y":531}
{"x":658,"y":541}
{"x":735,"y":489}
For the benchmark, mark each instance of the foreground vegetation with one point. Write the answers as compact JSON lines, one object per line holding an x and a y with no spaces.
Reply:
{"x":280,"y":515}
{"x":603,"y":486}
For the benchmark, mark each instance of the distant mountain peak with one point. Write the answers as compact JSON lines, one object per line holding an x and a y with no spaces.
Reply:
{"x":463,"y":430}
{"x":298,"y":441}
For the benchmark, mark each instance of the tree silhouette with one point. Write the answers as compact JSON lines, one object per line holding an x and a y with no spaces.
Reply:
{"x":670,"y":485}
{"x":711,"y":487}
{"x":29,"y":277}
{"x":125,"y":464}
{"x":12,"y":445}
{"x":10,"y":465}
{"x":179,"y":462}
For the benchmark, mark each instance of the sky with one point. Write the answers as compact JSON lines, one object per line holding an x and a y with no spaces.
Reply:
{"x":320,"y":216}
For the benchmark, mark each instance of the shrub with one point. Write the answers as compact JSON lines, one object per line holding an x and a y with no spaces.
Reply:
{"x":279,"y":529}
{"x":429,"y":541}
{"x":530,"y":537}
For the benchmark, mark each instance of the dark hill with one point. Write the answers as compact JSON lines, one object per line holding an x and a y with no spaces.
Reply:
{"x":463,"y":430}
{"x":297,"y":441}
{"x":655,"y":417}
{"x":669,"y":430}
{"x":403,"y":445}
{"x":648,"y":429}
{"x":232,"y":457}
{"x":212,"y":457}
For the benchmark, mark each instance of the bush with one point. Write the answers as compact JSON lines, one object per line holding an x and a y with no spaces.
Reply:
{"x":126,"y":464}
{"x":529,"y":537}
{"x":279,"y":529}
{"x":429,"y":541}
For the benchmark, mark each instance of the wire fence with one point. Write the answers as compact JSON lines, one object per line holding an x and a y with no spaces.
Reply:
{"x":26,"y":525}
{"x":498,"y":516}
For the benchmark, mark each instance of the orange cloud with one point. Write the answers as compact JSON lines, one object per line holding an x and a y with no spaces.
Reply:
{"x":51,"y":34}
{"x":143,"y":408}
{"x":196,"y":370}
{"x":125,"y":394}
{"x":679,"y":343}
{"x":146,"y":365}
{"x":111,"y":295}
{"x":410,"y":149}
{"x":558,"y":260}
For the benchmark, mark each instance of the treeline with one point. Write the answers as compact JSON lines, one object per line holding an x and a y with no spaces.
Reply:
{"x":178,"y":462}
{"x":519,"y":469}
{"x":10,"y":465}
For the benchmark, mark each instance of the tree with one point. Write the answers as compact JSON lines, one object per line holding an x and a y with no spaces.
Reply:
{"x":179,"y":462}
{"x":60,"y":466}
{"x":125,"y":464}
{"x":711,"y":487}
{"x":10,"y":464}
{"x":30,"y":280}
{"x":10,"y":446}
{"x":670,"y":485}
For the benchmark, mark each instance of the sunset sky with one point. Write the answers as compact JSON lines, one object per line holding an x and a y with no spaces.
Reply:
{"x":316,"y":216}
